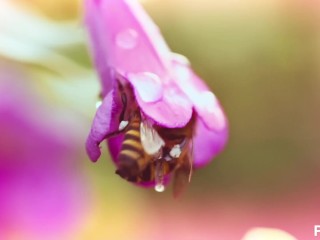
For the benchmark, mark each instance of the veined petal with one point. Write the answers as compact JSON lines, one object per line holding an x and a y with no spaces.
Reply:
{"x":125,"y":38}
{"x":102,"y":125}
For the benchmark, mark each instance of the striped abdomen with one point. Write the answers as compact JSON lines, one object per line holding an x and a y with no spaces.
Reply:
{"x":132,"y":159}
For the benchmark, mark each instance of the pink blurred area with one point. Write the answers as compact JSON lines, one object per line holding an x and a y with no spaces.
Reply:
{"x":225,"y":218}
{"x":43,"y":192}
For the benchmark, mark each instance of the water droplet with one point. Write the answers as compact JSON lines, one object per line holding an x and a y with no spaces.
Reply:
{"x":180,"y":59}
{"x":148,"y":85}
{"x":98,"y":104}
{"x":127,"y":39}
{"x":159,"y":188}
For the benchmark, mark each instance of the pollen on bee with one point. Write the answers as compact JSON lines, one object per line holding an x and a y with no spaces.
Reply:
{"x":122,"y":125}
{"x":175,"y":151}
{"x":159,"y":187}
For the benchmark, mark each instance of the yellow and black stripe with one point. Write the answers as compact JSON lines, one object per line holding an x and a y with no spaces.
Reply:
{"x":132,"y":159}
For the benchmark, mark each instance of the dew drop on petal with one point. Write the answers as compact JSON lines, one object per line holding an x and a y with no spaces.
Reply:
{"x":98,"y":104}
{"x":180,"y":59}
{"x":148,"y":85}
{"x":127,"y":39}
{"x":159,"y":187}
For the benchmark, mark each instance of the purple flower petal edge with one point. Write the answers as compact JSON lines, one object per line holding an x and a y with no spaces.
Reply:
{"x":101,"y":126}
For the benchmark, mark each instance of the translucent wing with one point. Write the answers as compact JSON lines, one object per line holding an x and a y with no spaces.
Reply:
{"x":150,"y":139}
{"x":182,"y":176}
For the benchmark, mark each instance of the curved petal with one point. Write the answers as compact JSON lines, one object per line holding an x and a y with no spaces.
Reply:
{"x":114,"y":145}
{"x":168,"y":105}
{"x":207,"y":144}
{"x":124,"y":38}
{"x":98,"y":50}
{"x":102,"y":125}
{"x":123,"y":30}
{"x":172,"y":111}
{"x":204,"y":101}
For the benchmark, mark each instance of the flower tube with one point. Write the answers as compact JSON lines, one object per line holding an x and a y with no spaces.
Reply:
{"x":152,"y":93}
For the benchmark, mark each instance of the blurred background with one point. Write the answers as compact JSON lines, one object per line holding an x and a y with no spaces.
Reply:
{"x":261,"y":58}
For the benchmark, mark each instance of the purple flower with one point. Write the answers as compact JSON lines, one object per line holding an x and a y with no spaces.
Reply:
{"x":128,"y":49}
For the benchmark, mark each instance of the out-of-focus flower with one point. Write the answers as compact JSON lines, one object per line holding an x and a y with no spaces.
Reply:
{"x":42,"y":190}
{"x":129,"y":50}
{"x":267,"y":234}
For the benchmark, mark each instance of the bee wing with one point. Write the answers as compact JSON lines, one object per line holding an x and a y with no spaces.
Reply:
{"x":182,"y":176}
{"x":150,"y":139}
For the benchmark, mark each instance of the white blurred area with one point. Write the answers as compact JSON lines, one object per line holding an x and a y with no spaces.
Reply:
{"x":38,"y":44}
{"x":267,"y":234}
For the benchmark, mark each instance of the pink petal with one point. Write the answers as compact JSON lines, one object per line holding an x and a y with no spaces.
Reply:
{"x":166,"y":104}
{"x":207,"y":144}
{"x":205,"y":102}
{"x":99,"y":52}
{"x":147,"y":86}
{"x":125,"y":38}
{"x":114,"y":145}
{"x":102,"y":125}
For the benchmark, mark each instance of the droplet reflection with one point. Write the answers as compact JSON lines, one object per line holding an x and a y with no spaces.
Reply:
{"x":159,"y":188}
{"x":98,"y":104}
{"x":148,"y":85}
{"x":127,"y":39}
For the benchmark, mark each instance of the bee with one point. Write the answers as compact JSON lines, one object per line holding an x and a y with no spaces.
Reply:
{"x":178,"y":152}
{"x":149,"y":152}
